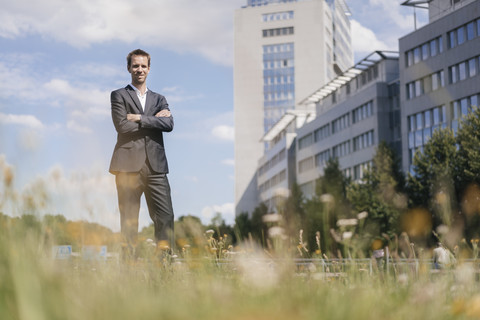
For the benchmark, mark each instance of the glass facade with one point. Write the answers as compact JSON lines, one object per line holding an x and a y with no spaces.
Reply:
{"x":254,"y":3}
{"x":279,"y":81}
{"x":421,"y":126}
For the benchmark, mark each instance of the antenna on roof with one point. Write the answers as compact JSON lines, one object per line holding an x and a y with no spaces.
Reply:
{"x":423,"y":4}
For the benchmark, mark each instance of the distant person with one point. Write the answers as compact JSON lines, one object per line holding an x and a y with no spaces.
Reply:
{"x":139,"y":163}
{"x":441,"y":257}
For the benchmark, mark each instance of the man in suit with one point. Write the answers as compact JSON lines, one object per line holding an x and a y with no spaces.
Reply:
{"x":139,"y":163}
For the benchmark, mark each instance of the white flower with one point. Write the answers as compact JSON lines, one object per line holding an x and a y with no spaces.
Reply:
{"x":326,"y":198}
{"x":272,"y":217}
{"x":362,"y":215}
{"x":274,"y":232}
{"x":347,"y":222}
{"x":442,"y":229}
{"x":209,"y":231}
{"x":347,"y":235}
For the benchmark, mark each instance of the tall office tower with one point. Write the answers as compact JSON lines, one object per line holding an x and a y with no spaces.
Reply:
{"x":284,"y":50}
{"x":439,"y":72}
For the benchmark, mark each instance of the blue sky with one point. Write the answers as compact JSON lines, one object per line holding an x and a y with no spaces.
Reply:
{"x":59,"y":61}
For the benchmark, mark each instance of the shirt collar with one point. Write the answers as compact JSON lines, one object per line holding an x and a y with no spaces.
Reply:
{"x":136,"y":90}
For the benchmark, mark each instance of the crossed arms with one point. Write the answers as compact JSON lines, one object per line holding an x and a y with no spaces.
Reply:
{"x":137,"y":117}
{"x":126,"y":123}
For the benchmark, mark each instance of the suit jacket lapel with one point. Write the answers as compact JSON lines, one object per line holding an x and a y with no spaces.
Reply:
{"x":148,"y":102}
{"x":134,"y":97}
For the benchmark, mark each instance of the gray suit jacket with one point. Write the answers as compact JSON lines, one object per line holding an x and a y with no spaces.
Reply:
{"x":138,"y":141}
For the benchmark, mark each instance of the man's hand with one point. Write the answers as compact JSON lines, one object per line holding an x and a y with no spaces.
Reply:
{"x":163,"y":113}
{"x":133,"y":117}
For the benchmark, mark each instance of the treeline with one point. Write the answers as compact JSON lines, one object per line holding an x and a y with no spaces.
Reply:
{"x":57,"y":230}
{"x":438,"y":200}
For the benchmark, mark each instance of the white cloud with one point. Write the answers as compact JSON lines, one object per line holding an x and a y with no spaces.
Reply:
{"x":365,"y":40}
{"x":74,"y":126}
{"x":228,"y":162}
{"x":227,"y":210}
{"x":21,"y":119}
{"x":200,"y":26}
{"x":224,"y":132}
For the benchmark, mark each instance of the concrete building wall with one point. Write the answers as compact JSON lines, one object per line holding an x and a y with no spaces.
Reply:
{"x":418,"y":67}
{"x":312,"y":24}
{"x":375,"y":92}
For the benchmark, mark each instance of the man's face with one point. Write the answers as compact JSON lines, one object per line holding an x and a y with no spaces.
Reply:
{"x":139,"y":69}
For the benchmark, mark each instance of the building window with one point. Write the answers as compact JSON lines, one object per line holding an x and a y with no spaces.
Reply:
{"x":421,"y":126}
{"x":470,"y":31}
{"x":409,"y":58}
{"x":425,"y":53}
{"x":463,"y":70}
{"x":275,"y":16}
{"x":305,"y":165}
{"x":433,"y":47}
{"x":322,"y":133}
{"x":437,"y":80}
{"x":322,"y":158}
{"x":360,"y":170}
{"x":362,"y":112}
{"x":363,"y":141}
{"x":418,"y":87}
{"x":462,"y":107}
{"x":305,"y":141}
{"x":453,"y":74}
{"x":341,"y":149}
{"x":460,"y":35}
{"x":277,"y":32}
{"x":478,"y":27}
{"x":472,"y":68}
{"x":278,"y":79}
{"x":416,"y":55}
{"x":340,"y":123}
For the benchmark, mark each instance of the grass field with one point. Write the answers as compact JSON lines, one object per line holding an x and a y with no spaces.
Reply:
{"x":251,"y":285}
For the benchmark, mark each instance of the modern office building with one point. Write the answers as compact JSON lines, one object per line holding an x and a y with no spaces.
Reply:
{"x":354,"y":112}
{"x":284,"y":50}
{"x":439,"y":72}
{"x":276,"y":170}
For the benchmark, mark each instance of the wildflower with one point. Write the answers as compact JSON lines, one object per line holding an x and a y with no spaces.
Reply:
{"x":442,"y":229}
{"x":347,"y":222}
{"x":271,"y":217}
{"x":326,"y":198}
{"x":347,"y":235}
{"x":362,"y":215}
{"x":274,"y":232}
{"x":209,"y":231}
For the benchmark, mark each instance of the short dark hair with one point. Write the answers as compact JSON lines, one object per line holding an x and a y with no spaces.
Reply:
{"x":137,"y":52}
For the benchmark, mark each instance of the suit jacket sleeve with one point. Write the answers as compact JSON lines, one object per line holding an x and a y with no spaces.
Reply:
{"x":158,"y":123}
{"x":119,"y":115}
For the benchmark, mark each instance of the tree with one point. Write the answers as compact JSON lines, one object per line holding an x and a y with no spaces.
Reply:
{"x":380,"y":194}
{"x":221,"y":228}
{"x":326,"y":206}
{"x":259,"y":228}
{"x":467,"y":171}
{"x":293,"y":211}
{"x":189,"y":230}
{"x":432,"y":186}
{"x":468,"y":139}
{"x":243,"y":225}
